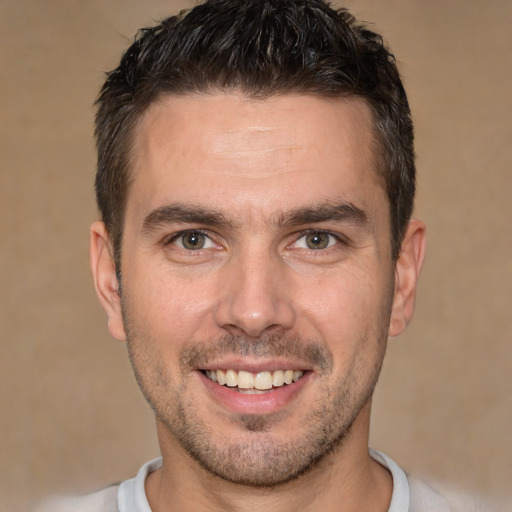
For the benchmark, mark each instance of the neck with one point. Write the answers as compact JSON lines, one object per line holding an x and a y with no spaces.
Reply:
{"x":347,"y":479}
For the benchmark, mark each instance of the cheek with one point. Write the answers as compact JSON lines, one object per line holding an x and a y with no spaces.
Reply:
{"x":337,"y":296}
{"x":345,"y":307}
{"x":167,"y":305}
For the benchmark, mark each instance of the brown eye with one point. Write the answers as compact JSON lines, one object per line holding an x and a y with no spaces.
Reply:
{"x":318,"y":240}
{"x":193,"y":241}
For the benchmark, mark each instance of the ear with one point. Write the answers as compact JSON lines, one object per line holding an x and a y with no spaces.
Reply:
{"x":407,"y":270}
{"x":105,"y":279}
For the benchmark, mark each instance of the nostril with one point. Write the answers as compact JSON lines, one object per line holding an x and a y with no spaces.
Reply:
{"x":234,"y":330}
{"x":253,"y":300}
{"x":253,"y":329}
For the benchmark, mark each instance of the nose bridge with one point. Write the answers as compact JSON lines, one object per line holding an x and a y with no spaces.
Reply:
{"x":254,"y":296}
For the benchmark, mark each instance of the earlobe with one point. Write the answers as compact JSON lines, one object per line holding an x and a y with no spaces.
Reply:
{"x":105,"y":279}
{"x":407,"y":270}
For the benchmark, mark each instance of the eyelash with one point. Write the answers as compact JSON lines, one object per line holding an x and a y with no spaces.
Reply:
{"x":180,"y":234}
{"x":298,"y":236}
{"x":337,"y":238}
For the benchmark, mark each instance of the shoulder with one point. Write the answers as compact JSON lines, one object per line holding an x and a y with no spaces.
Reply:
{"x":411,"y":494}
{"x":424,"y":498}
{"x":447,"y":498}
{"x":127,"y":496}
{"x":104,"y":500}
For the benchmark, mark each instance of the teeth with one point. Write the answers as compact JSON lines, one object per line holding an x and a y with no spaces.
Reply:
{"x":278,"y":378}
{"x":263,"y":380}
{"x":251,"y":391}
{"x":245,"y":380}
{"x":221,"y":377}
{"x":251,"y":383}
{"x":231,"y":379}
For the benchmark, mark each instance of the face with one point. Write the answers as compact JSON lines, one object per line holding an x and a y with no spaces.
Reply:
{"x":257,"y":281}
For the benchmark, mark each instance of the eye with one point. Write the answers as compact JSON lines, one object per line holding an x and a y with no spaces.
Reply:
{"x":316,"y":240}
{"x":192,"y":241}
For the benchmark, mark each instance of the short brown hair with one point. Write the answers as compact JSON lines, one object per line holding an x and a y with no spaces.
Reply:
{"x":260,"y":47}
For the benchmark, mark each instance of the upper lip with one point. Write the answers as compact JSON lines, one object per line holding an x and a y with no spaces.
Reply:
{"x":255,"y":365}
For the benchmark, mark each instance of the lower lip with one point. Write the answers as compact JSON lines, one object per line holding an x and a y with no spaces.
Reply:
{"x":263,"y":403}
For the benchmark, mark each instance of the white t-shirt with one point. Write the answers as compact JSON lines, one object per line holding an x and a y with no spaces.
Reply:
{"x":409,"y":494}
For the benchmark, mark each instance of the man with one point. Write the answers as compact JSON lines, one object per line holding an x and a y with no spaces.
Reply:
{"x":256,"y":182}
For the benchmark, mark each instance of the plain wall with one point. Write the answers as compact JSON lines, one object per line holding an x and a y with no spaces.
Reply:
{"x":72,"y":417}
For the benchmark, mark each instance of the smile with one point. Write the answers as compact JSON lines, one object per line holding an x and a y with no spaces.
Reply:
{"x":253,"y":383}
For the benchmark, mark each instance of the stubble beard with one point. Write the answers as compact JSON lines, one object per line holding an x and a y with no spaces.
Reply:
{"x":259,"y":458}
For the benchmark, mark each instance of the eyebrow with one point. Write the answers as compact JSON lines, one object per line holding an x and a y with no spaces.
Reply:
{"x":192,"y":214}
{"x":327,"y":212}
{"x":184,"y":213}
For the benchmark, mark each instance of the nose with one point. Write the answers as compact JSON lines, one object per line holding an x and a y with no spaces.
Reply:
{"x":255,"y":296}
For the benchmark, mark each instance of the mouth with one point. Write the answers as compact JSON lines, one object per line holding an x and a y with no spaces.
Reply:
{"x":254,"y":383}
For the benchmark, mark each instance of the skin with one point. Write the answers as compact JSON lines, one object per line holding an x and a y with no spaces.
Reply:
{"x":256,"y":296}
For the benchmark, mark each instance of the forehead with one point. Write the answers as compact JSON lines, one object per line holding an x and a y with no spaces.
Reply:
{"x":214,"y":146}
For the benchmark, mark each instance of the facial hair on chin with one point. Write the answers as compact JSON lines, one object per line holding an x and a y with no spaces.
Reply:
{"x":260,"y":459}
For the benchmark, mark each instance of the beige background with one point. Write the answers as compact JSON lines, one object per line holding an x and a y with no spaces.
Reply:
{"x":71,"y":416}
